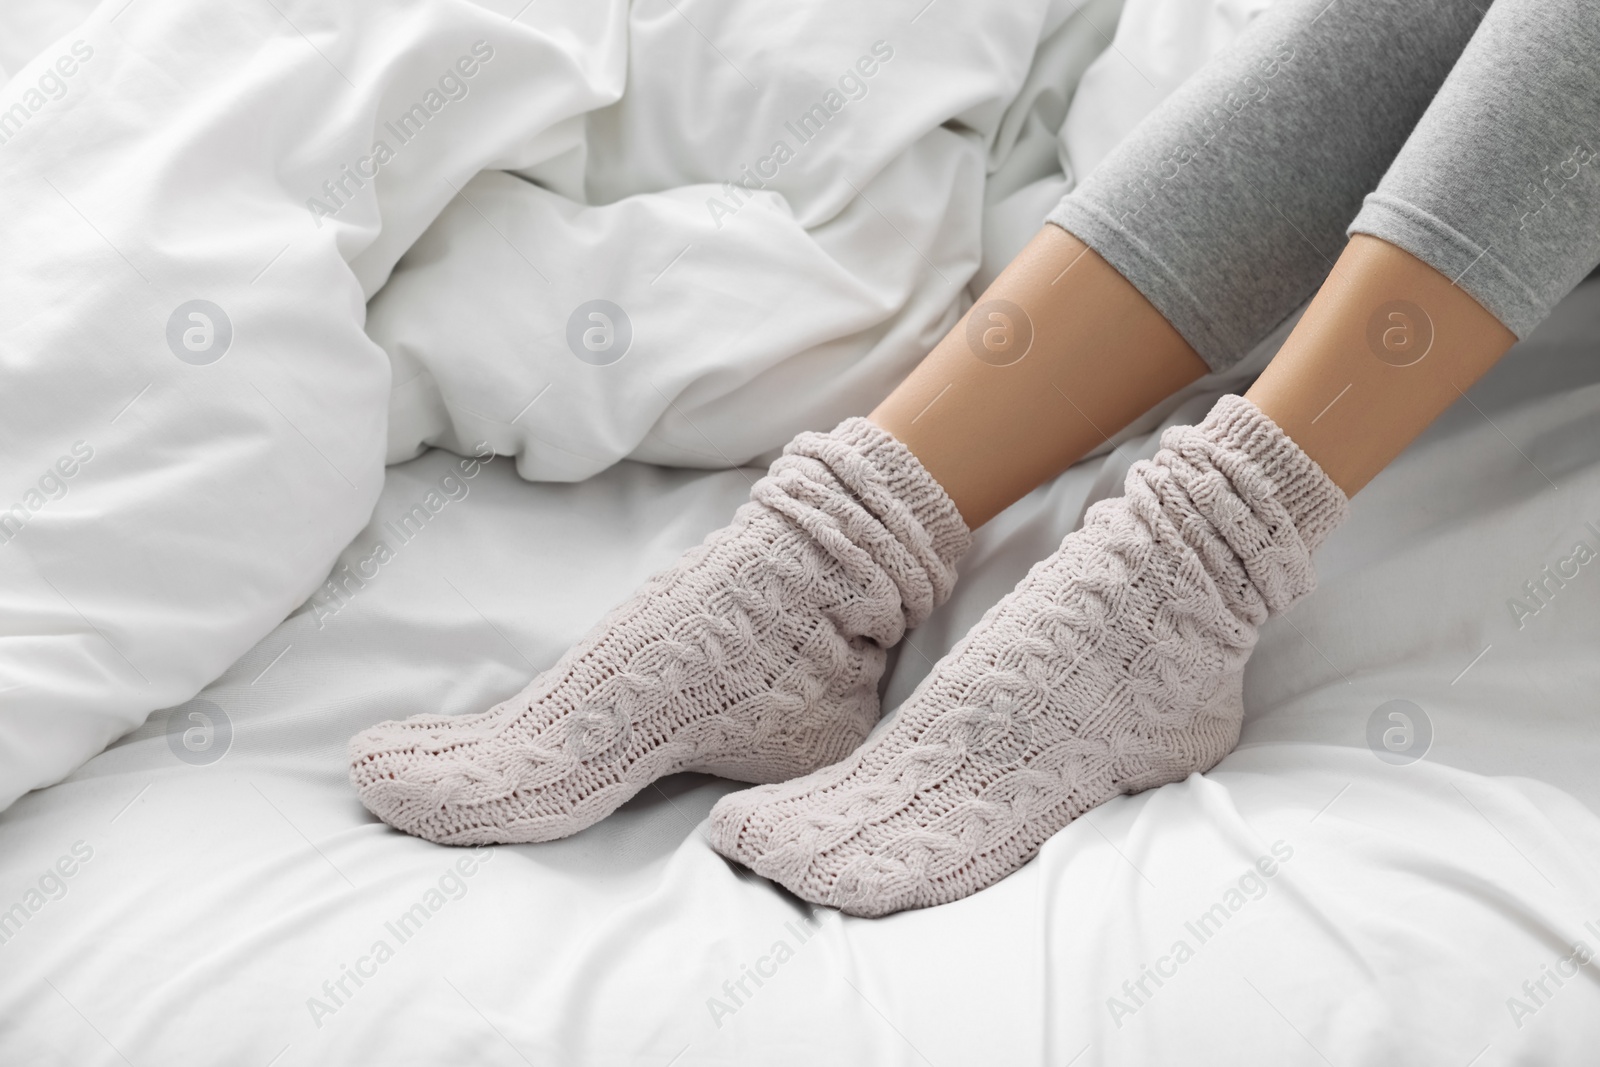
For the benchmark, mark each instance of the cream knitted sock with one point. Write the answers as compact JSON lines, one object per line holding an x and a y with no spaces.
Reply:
{"x":1115,"y":666}
{"x":756,"y":657}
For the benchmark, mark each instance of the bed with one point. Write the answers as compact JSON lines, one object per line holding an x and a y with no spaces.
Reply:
{"x":1397,"y":865}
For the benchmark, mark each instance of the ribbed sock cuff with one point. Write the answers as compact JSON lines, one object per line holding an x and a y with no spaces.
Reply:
{"x":908,"y":480}
{"x":1316,"y":504}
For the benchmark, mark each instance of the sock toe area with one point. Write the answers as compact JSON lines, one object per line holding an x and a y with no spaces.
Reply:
{"x":397,"y":778}
{"x":736,"y":827}
{"x":756,"y":657}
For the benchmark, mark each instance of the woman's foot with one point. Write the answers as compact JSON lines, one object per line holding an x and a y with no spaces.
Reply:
{"x":1114,"y":666}
{"x":756,"y":657}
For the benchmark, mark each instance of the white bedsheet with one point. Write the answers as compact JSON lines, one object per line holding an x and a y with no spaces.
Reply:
{"x":1411,"y":913}
{"x":247,"y":259}
{"x":1406,"y":908}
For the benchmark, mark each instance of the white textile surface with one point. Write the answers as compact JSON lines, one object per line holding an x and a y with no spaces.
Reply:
{"x":208,"y":890}
{"x":1406,"y":907}
{"x":209,"y":350}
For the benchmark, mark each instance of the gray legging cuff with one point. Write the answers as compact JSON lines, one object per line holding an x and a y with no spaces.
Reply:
{"x":1156,"y":280}
{"x":1469,"y":130}
{"x":1479,"y":273}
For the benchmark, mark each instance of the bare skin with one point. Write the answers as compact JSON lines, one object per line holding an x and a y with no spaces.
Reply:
{"x":1100,"y":356}
{"x":1351,"y":409}
{"x":1066,"y":352}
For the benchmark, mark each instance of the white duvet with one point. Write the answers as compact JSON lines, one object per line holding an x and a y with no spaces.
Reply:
{"x":676,"y":232}
{"x":208,"y":890}
{"x":1306,"y":902}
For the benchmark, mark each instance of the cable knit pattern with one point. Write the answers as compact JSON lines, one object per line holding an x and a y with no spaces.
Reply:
{"x":756,"y":657}
{"x":1114,"y":666}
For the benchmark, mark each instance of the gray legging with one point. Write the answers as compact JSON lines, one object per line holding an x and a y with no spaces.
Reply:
{"x":1227,"y":206}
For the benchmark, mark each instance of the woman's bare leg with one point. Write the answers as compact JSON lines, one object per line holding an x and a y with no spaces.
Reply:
{"x":1116,"y":665}
{"x":1387,"y":344}
{"x":1060,"y":353}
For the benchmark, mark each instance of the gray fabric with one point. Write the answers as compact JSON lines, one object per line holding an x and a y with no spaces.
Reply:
{"x":1227,"y":206}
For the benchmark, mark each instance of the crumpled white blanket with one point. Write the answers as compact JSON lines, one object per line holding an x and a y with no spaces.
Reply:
{"x":200,"y":205}
{"x":774,"y":264}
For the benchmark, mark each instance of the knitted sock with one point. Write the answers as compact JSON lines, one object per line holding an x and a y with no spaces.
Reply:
{"x":756,"y":657}
{"x":1114,"y":666}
